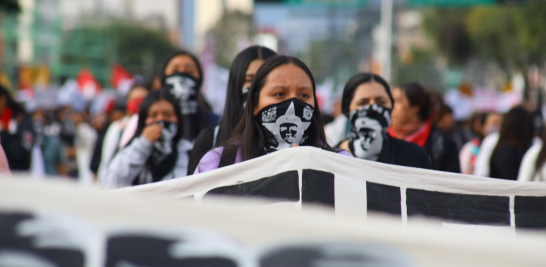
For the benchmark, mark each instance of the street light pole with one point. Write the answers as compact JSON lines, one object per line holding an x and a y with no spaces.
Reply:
{"x":386,"y":38}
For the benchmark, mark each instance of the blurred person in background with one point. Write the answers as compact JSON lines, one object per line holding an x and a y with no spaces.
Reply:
{"x":84,"y":142}
{"x":100,"y":122}
{"x":337,"y":130}
{"x":241,"y":73}
{"x":67,"y":131}
{"x":491,"y":129}
{"x":157,"y":151}
{"x":411,"y":121}
{"x":482,"y":125}
{"x":448,"y":124}
{"x":49,"y":142}
{"x":182,"y":76}
{"x":367,"y":102}
{"x":4,"y":165}
{"x":131,"y":105}
{"x":17,"y":134}
{"x":282,"y":111}
{"x":515,"y":137}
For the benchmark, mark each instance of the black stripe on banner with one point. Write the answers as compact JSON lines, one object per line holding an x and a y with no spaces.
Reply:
{"x":135,"y":250}
{"x":12,"y":243}
{"x":318,"y":188}
{"x":530,"y":212}
{"x":384,"y":198}
{"x":473,"y":209}
{"x":283,"y":186}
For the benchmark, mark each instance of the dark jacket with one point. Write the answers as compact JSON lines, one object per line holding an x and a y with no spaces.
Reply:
{"x":399,"y":152}
{"x":203,"y":144}
{"x":442,"y":151}
{"x":18,"y":145}
{"x":505,"y":162}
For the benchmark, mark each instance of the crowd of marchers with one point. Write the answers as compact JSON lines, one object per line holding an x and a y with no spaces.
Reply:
{"x":165,"y":129}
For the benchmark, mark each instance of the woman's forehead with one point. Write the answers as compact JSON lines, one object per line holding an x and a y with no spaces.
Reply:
{"x":370,"y":90}
{"x":289,"y":74}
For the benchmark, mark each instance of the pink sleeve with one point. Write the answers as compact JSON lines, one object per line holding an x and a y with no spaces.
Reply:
{"x":129,"y":131}
{"x":4,"y":166}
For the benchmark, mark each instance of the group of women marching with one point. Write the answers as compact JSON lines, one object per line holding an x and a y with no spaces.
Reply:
{"x":271,"y":105}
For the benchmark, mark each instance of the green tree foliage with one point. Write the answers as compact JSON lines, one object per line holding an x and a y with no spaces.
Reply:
{"x":232,"y":28}
{"x":9,"y":6}
{"x":448,"y":31}
{"x":137,"y":48}
{"x":510,"y":35}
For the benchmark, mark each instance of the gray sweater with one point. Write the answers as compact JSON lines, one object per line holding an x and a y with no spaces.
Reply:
{"x":130,"y":164}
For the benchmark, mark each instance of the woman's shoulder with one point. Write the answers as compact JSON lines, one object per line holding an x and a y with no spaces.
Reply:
{"x":210,"y":161}
{"x":408,"y":149}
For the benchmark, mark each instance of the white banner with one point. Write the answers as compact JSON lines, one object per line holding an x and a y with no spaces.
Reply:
{"x":45,"y":223}
{"x":306,"y":175}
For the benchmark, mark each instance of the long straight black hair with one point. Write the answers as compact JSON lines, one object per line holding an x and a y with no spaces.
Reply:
{"x":153,"y":97}
{"x":248,"y":135}
{"x":357,"y":80}
{"x":202,"y":102}
{"x":517,"y":129}
{"x":233,"y":110}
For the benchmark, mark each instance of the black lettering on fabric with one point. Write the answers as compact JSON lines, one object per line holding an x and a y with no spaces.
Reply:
{"x":530,"y":212}
{"x":283,"y":186}
{"x":474,"y":209}
{"x":318,"y":188}
{"x":384,"y":198}
{"x":13,"y":245}
{"x":153,"y":251}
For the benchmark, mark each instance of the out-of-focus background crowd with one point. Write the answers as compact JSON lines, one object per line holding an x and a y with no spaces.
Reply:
{"x":69,"y":64}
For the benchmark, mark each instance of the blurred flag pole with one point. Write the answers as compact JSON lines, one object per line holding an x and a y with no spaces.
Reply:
{"x":386,"y":38}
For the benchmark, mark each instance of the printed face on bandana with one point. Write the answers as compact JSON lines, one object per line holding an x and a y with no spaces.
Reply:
{"x":369,"y":126}
{"x":183,"y":87}
{"x":285,"y":124}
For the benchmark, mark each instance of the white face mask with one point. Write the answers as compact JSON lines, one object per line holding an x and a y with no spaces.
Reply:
{"x":369,"y":127}
{"x":369,"y":141}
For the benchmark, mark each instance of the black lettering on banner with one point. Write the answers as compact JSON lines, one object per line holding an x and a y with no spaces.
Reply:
{"x":384,"y":198}
{"x":530,"y":212}
{"x":473,"y":209}
{"x":153,"y":251}
{"x":318,"y":188}
{"x":15,"y":247}
{"x":283,"y":186}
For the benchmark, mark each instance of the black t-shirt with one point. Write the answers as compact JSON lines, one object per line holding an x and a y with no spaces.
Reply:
{"x":443,"y":151}
{"x":403,"y":153}
{"x":505,"y":162}
{"x":203,"y":144}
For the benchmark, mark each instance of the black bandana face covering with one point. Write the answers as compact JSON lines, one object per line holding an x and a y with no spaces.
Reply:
{"x":185,"y":88}
{"x":285,"y":124}
{"x":244,"y":95}
{"x":369,"y":129}
{"x":164,"y":145}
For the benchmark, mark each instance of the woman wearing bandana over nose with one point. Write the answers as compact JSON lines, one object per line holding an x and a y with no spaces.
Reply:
{"x":241,"y":74}
{"x":367,"y":102}
{"x":281,"y":112}
{"x":181,"y":75}
{"x":157,"y":151}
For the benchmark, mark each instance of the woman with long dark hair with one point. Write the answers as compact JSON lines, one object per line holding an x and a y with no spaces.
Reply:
{"x":157,"y":150}
{"x":281,"y":112}
{"x":411,"y":121}
{"x":182,"y":76}
{"x":368,"y":103}
{"x":516,"y":136}
{"x":241,"y":74}
{"x":16,"y":132}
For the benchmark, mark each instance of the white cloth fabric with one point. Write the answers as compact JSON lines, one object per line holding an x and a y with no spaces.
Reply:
{"x":482,"y":167}
{"x":336,"y":131}
{"x":129,"y":131}
{"x":130,"y":162}
{"x":110,"y":143}
{"x":85,"y":143}
{"x":527,"y":170}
